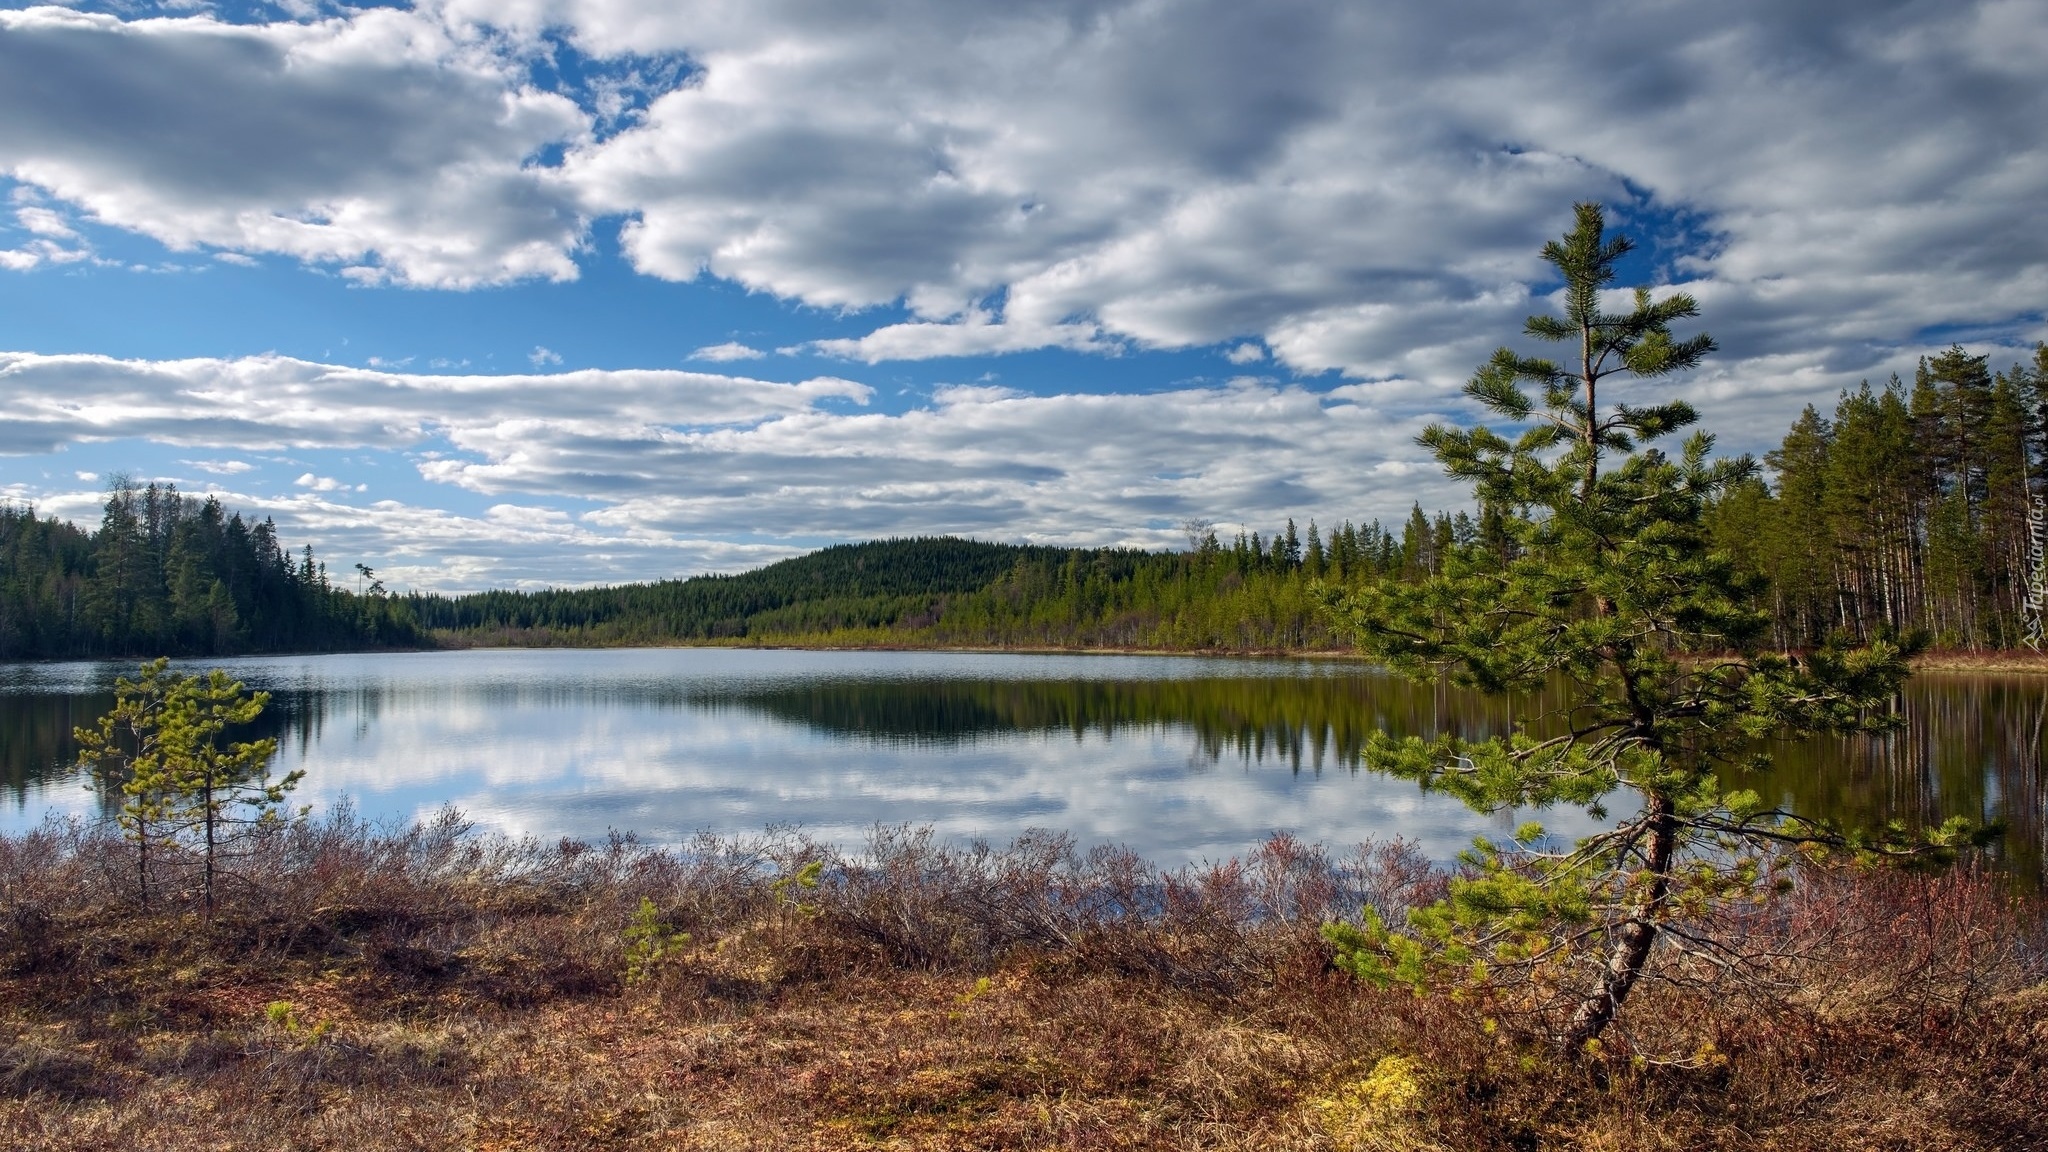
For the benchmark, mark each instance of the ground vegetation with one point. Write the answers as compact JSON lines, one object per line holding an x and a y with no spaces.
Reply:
{"x":430,"y":987}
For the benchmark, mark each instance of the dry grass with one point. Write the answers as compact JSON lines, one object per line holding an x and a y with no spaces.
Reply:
{"x":2000,"y":661}
{"x":426,"y":988}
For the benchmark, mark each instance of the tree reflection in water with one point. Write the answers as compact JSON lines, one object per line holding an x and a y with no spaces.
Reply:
{"x":1970,"y":745}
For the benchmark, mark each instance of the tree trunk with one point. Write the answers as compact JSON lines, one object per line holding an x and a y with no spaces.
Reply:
{"x":1632,"y":943}
{"x":142,"y":862}
{"x":208,"y":813}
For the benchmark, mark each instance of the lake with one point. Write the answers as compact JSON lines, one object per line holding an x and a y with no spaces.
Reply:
{"x":1182,"y":759}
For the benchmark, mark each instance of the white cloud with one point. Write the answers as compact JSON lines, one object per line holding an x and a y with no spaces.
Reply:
{"x":376,"y":142}
{"x":595,"y":476}
{"x":1362,"y":187}
{"x":726,"y":353}
{"x":652,"y":459}
{"x":1358,"y":187}
{"x":977,"y":333}
{"x":55,"y":240}
{"x":541,"y":357}
{"x":264,"y":403}
{"x":44,"y":222}
{"x":221,"y":467}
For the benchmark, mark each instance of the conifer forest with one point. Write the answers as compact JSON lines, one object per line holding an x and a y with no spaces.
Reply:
{"x":1909,"y":509}
{"x":169,"y":574}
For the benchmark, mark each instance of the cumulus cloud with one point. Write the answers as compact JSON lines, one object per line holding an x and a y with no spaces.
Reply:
{"x":727,"y":352}
{"x":1362,"y":187}
{"x":378,"y":142}
{"x":1308,"y":184}
{"x":628,"y":474}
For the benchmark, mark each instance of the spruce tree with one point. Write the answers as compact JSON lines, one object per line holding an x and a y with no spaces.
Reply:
{"x":1612,"y":592}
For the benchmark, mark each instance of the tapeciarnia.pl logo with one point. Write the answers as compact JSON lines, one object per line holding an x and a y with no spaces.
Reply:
{"x":2037,"y":569}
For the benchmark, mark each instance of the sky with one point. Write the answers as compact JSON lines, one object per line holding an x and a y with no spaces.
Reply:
{"x":528,"y":293}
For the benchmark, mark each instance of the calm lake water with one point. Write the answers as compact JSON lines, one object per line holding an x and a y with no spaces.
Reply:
{"x":1182,"y":759}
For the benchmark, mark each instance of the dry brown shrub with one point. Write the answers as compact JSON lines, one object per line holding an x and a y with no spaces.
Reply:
{"x":455,"y":990}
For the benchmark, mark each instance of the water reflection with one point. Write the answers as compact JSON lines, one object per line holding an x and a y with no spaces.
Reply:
{"x":1179,"y":758}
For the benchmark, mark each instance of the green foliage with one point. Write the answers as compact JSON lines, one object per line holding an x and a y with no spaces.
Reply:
{"x":961,"y":592}
{"x":283,"y":1015}
{"x":126,"y":754}
{"x":649,"y":941}
{"x":1610,"y":582}
{"x":162,"y":747}
{"x":1906,"y":512}
{"x":787,"y":888}
{"x":168,"y":573}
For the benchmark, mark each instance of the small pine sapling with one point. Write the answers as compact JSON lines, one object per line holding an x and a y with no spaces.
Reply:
{"x":649,"y":940}
{"x":124,"y":754}
{"x":161,"y":746}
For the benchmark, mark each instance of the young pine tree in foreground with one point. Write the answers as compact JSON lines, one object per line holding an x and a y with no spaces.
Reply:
{"x":1599,"y":572}
{"x":162,"y":747}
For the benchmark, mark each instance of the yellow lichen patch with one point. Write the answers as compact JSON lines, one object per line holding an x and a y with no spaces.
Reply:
{"x":1376,"y":1113}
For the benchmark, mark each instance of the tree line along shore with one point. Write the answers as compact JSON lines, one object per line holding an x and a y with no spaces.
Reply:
{"x":1905,"y":511}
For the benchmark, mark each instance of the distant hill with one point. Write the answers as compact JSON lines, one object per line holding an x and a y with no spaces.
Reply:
{"x":1249,"y":594}
{"x":875,"y":584}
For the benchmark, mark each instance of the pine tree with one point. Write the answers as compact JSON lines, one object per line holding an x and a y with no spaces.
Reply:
{"x":1802,"y":566}
{"x":161,"y":748}
{"x":1616,"y":596}
{"x":126,"y":753}
{"x":210,"y":781}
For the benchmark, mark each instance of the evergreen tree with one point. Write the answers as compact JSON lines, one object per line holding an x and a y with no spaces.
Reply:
{"x":209,"y":782}
{"x":161,"y":748}
{"x":127,"y":753}
{"x":1613,"y":587}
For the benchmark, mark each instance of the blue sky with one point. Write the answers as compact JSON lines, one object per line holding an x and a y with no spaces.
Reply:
{"x":551,"y":292}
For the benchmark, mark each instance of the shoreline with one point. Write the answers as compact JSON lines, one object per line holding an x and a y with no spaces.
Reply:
{"x":2005,"y":662}
{"x":2021,"y":661}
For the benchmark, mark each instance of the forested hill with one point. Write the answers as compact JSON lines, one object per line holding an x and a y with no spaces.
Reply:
{"x":1907,"y":512}
{"x":1250,"y":594}
{"x":878,"y":584}
{"x":166,"y":574}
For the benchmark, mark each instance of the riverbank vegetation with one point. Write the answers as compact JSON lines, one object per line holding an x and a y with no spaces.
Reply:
{"x":1905,"y":512}
{"x":362,"y":988}
{"x":169,"y":574}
